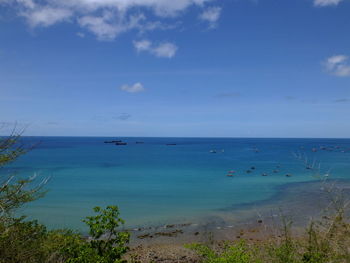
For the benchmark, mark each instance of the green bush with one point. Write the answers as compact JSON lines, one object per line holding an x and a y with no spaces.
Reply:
{"x":230,"y":253}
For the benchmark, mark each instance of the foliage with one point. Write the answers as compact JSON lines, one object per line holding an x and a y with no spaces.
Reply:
{"x":230,"y":253}
{"x":21,"y":242}
{"x":105,"y":224}
{"x":14,"y":192}
{"x":107,"y":244}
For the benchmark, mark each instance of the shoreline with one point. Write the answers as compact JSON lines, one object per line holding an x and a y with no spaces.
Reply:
{"x":299,"y":201}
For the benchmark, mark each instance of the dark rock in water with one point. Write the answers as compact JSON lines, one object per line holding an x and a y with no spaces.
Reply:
{"x":253,"y":167}
{"x":169,"y":234}
{"x":196,"y":234}
{"x":144,"y":236}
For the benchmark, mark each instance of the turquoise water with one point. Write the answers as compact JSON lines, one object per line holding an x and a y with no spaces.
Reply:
{"x":153,"y":183}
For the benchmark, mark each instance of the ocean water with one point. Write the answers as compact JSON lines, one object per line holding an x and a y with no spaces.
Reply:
{"x":154,"y":183}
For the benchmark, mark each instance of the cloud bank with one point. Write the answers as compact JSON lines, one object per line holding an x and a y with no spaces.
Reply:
{"x":107,"y":19}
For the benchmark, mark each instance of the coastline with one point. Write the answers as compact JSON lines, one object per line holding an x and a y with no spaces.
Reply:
{"x":299,"y":202}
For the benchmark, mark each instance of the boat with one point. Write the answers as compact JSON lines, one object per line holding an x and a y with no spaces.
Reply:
{"x":288,"y":175}
{"x":171,"y":144}
{"x":229,"y":175}
{"x":139,"y":142}
{"x":120,"y":143}
{"x":113,"y":141}
{"x":264,"y":174}
{"x":213,"y":151}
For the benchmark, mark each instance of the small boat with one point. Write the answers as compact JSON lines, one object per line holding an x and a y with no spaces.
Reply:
{"x":113,"y":141}
{"x":213,"y":151}
{"x":248,"y":171}
{"x":264,"y":174}
{"x":139,"y":142}
{"x":171,"y":144}
{"x":229,"y":175}
{"x":275,"y":171}
{"x":288,"y":175}
{"x":252,"y":168}
{"x":231,"y":172}
{"x":120,"y":143}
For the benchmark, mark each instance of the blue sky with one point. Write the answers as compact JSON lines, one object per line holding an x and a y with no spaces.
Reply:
{"x":198,"y":68}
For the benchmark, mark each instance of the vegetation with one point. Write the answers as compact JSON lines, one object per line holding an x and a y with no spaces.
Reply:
{"x":325,"y":241}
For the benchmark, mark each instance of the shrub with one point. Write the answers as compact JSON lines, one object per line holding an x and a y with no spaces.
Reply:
{"x":230,"y":253}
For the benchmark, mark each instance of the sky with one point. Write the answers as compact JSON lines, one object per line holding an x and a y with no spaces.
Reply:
{"x":185,"y":68}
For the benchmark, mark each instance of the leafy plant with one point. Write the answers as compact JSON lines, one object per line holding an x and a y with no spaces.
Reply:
{"x":230,"y":253}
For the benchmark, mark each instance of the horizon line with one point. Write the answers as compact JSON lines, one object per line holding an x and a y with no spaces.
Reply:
{"x":185,"y":137}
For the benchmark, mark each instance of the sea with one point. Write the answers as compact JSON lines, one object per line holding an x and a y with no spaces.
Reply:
{"x":157,"y":181}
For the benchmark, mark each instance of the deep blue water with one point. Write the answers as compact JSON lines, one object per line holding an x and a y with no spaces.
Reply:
{"x":153,"y":183}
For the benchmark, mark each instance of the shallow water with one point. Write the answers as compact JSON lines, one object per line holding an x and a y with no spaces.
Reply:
{"x":153,"y":183}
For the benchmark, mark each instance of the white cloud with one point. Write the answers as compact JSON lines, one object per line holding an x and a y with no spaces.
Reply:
{"x":101,"y":26}
{"x":143,"y":45}
{"x":211,"y":15}
{"x":27,"y":3}
{"x":80,"y":34}
{"x":322,"y":3}
{"x":338,"y":65}
{"x":107,"y":19}
{"x":137,"y":87}
{"x":163,"y":50}
{"x":46,"y":16}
